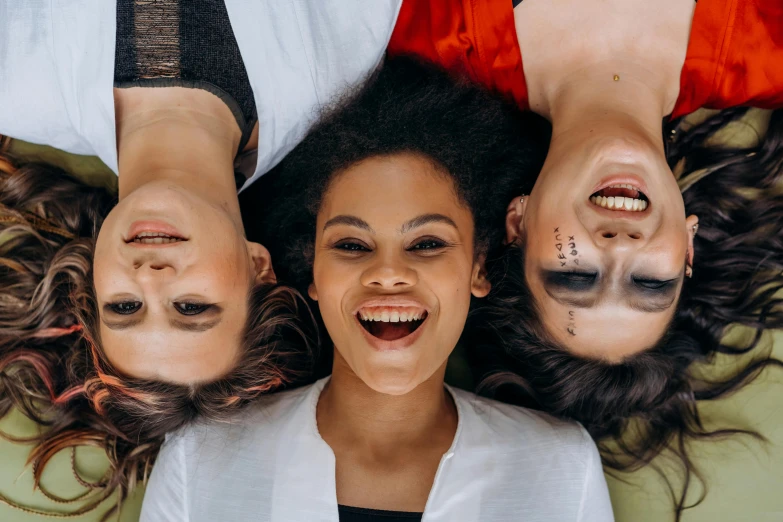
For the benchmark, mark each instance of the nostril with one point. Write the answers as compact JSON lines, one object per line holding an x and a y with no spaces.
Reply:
{"x":608,"y":235}
{"x":635,"y":236}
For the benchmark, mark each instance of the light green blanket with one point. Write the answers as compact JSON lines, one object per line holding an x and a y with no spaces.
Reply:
{"x":745,"y":477}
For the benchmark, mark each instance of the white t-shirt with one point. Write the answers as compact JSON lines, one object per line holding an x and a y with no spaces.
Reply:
{"x":271,"y":465}
{"x":57,"y":67}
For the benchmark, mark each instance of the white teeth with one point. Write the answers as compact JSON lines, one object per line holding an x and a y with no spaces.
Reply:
{"x":154,"y":238}
{"x":620,"y":203}
{"x":387,"y":316}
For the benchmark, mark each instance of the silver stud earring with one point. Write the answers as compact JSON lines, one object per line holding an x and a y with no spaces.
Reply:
{"x":695,"y":228}
{"x":522,"y":198}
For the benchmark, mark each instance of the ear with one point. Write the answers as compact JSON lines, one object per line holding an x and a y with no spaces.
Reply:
{"x":262,"y":263}
{"x":691,"y":225}
{"x":515,"y":214}
{"x":312,"y":292}
{"x":479,"y":283}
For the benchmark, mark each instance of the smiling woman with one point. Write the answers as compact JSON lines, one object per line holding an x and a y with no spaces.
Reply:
{"x":115,"y":341}
{"x":612,"y":336}
{"x":383,"y":214}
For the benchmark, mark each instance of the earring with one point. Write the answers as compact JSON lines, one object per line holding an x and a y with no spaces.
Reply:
{"x":695,"y":228}
{"x":522,"y":198}
{"x":688,"y":272}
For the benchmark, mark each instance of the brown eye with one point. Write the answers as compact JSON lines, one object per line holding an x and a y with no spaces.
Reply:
{"x":191,"y":308}
{"x":351,"y":246}
{"x":125,"y":307}
{"x":428,"y":244}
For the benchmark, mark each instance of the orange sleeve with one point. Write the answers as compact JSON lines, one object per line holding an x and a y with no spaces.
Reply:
{"x":473,"y":37}
{"x":735,"y":56}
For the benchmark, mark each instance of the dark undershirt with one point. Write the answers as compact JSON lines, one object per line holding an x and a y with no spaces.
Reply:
{"x":184,"y":43}
{"x":356,"y":514}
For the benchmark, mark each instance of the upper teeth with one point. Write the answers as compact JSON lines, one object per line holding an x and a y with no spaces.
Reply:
{"x":390,"y":316}
{"x":620,"y":203}
{"x":154,"y":238}
{"x":624,"y":185}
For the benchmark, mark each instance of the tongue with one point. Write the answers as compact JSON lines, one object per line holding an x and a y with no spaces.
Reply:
{"x":390,"y":331}
{"x":619,"y":192}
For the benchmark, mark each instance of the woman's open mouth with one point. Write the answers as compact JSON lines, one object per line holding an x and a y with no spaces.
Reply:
{"x":622,"y":196}
{"x":391,"y":323}
{"x":154,"y":238}
{"x":153,"y":233}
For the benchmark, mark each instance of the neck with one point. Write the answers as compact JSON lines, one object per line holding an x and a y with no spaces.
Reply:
{"x":184,"y":136}
{"x":352,"y":413}
{"x":643,"y":44}
{"x":591,"y":101}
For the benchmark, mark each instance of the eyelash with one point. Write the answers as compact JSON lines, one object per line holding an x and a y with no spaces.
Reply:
{"x":652,"y":284}
{"x":425,"y":244}
{"x":190,"y":308}
{"x":117,"y":307}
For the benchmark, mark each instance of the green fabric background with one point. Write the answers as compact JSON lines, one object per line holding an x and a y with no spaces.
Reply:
{"x":745,"y":477}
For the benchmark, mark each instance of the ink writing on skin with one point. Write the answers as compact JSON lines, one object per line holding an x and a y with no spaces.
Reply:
{"x":571,"y":327}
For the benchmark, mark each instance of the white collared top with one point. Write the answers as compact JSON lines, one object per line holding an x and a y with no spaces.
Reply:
{"x":57,"y":67}
{"x":271,"y":465}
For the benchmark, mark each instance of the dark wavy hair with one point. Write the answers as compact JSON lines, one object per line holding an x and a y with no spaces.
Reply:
{"x":52,"y":367}
{"x":647,"y":403}
{"x":478,"y":139}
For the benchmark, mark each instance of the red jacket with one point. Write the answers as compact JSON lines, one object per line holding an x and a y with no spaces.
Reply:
{"x":735,"y":52}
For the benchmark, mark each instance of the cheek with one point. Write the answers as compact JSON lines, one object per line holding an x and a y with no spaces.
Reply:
{"x":332,"y":281}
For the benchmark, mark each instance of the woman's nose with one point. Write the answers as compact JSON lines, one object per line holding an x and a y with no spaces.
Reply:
{"x":389,"y":274}
{"x":619,"y":237}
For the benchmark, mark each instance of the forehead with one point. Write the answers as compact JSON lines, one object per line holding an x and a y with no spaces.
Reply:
{"x":392,"y":188}
{"x":610,"y":331}
{"x":155,"y":351}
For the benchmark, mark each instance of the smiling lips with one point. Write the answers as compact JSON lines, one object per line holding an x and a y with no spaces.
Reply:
{"x":622,"y":197}
{"x":154,"y":238}
{"x":391,"y":322}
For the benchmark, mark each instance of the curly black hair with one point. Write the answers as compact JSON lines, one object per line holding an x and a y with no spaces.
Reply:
{"x":486,"y":145}
{"x":737,"y":282}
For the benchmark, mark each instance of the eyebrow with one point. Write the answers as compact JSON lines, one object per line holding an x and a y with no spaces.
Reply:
{"x":185,"y":326}
{"x":426,"y":219}
{"x":202,"y":326}
{"x":420,"y":221}
{"x":351,"y":221}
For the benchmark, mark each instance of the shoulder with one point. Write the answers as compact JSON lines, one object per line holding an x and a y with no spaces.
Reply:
{"x":263,"y":420}
{"x":514,"y":429}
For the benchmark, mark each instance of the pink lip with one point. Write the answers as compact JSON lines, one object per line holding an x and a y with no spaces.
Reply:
{"x":617,"y":179}
{"x":392,"y":346}
{"x":391,"y":301}
{"x":159,"y":227}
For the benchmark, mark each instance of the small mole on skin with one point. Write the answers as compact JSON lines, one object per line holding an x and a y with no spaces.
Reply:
{"x":616,"y":78}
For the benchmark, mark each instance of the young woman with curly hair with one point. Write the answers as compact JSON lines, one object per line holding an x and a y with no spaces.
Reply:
{"x":616,"y":282}
{"x":382,"y":215}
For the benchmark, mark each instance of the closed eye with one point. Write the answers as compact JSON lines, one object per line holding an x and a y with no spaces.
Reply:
{"x":570,"y":280}
{"x":654,"y":284}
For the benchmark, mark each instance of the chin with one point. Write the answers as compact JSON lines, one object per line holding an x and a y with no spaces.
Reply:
{"x":391,"y":381}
